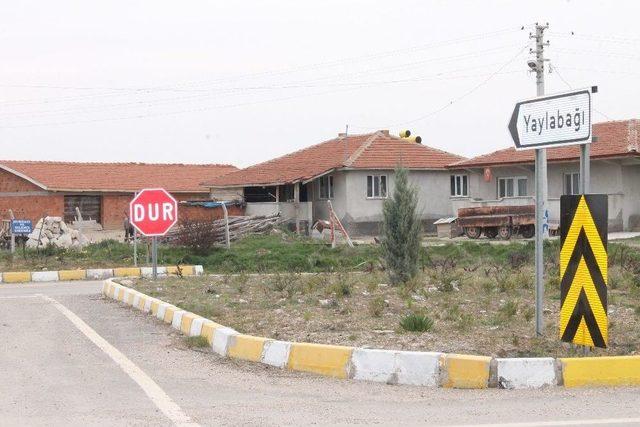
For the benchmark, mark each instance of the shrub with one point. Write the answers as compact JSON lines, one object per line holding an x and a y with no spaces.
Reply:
{"x":199,"y":236}
{"x":376,"y":306}
{"x":416,"y":323}
{"x":401,"y":230}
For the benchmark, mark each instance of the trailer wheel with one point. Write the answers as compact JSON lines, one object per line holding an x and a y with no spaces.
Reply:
{"x":504,"y":232}
{"x":528,"y":231}
{"x":490,"y":232}
{"x":472,"y":232}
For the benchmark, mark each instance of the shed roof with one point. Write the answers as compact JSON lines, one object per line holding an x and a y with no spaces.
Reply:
{"x":115,"y":177}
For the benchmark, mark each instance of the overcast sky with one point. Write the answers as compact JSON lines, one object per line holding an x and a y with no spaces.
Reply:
{"x":244,"y":81}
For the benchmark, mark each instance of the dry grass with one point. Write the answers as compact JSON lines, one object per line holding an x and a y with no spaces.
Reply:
{"x":482,"y":309}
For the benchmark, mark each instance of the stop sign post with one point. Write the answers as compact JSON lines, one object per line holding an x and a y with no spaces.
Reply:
{"x":153,"y":211}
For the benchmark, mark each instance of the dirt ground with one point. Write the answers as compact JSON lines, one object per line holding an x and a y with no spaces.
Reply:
{"x":483,"y":310}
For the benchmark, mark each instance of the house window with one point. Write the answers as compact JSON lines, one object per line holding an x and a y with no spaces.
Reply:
{"x":459,"y":186}
{"x":572,"y":183}
{"x":326,"y":187}
{"x":512,"y":187}
{"x":376,"y":186}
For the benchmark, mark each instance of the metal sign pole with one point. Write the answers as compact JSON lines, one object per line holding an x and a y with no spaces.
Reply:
{"x":135,"y":247}
{"x":542,"y":229}
{"x":154,"y":256}
{"x":585,"y":169}
{"x":13,"y":239}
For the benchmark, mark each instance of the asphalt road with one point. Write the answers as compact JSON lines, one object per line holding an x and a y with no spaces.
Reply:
{"x":71,"y":357}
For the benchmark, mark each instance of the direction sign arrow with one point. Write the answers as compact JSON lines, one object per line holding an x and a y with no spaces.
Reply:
{"x":555,"y":120}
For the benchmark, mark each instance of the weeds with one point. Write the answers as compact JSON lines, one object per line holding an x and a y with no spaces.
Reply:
{"x":197,"y":341}
{"x":376,"y":306}
{"x":416,"y":323}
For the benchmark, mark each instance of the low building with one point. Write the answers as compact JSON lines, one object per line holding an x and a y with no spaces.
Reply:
{"x":102,"y":191}
{"x":355,"y":173}
{"x":506,"y":177}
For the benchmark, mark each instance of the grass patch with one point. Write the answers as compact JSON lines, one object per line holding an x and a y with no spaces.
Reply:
{"x":196,"y":342}
{"x":416,"y":323}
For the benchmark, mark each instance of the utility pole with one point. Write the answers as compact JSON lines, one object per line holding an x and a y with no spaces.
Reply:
{"x":542,"y":216}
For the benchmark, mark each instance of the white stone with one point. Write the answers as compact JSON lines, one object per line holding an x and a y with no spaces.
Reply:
{"x":162,"y":309}
{"x":147,"y":305}
{"x":396,"y":367}
{"x":136,"y":300}
{"x":526,"y":372}
{"x":177,"y":319}
{"x":147,"y":272}
{"x":418,"y":368}
{"x":222,"y":338}
{"x":198,"y":270}
{"x":276,"y":353}
{"x":196,"y":326}
{"x":373,"y":365}
{"x":99,"y":273}
{"x":44,"y":276}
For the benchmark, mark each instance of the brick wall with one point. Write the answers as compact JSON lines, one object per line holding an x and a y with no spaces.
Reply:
{"x":26,"y":200}
{"x":32,"y":207}
{"x":114,"y":207}
{"x":10,"y":183}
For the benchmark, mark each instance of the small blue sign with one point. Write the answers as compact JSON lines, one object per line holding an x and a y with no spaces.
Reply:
{"x":21,"y":226}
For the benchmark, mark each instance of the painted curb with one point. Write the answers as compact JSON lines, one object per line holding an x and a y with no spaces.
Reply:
{"x":600,"y":371}
{"x":427,"y":369}
{"x":44,"y":276}
{"x":95,"y":274}
{"x":465,"y":371}
{"x":526,"y":372}
{"x":276,"y":353}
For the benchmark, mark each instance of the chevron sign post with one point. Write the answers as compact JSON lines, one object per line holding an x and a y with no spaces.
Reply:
{"x":583,"y":270}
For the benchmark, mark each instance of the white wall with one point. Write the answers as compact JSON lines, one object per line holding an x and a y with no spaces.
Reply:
{"x":607,"y":177}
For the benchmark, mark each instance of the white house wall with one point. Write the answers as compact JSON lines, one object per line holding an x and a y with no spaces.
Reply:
{"x":607,"y":177}
{"x":363,"y":215}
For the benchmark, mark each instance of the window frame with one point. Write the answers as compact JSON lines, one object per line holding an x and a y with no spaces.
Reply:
{"x":575,"y":183}
{"x":329,"y":190}
{"x":456,"y":190}
{"x":373,"y":195}
{"x":515,"y":188}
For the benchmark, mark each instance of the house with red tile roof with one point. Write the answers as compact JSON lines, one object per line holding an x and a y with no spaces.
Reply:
{"x":506,"y":177}
{"x":102,"y":191}
{"x":355,"y":173}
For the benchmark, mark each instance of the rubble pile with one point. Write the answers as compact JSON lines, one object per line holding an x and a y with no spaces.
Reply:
{"x":52,"y":230}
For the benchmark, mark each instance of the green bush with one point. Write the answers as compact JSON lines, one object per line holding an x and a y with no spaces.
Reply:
{"x":401,"y":230}
{"x":416,"y":323}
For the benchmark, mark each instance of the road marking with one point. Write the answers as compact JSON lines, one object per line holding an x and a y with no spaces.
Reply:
{"x":593,"y":422}
{"x":168,"y":407}
{"x":20,"y":296}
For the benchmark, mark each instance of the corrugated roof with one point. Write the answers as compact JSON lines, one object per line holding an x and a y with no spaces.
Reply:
{"x":377,"y":150}
{"x":115,"y":177}
{"x":615,"y":139}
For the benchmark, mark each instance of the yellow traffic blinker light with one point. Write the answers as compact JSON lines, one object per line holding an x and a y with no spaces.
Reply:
{"x":406,"y":134}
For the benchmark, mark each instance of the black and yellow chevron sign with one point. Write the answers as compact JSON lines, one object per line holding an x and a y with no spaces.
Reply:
{"x":583,"y":270}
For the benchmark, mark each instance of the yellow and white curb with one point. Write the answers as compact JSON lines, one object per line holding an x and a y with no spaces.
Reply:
{"x":97,"y":274}
{"x":428,"y":369}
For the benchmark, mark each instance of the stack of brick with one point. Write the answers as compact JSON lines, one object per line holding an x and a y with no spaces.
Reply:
{"x":52,"y":230}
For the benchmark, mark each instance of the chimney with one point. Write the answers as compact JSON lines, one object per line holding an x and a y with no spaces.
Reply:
{"x":385,"y":132}
{"x":633,"y":136}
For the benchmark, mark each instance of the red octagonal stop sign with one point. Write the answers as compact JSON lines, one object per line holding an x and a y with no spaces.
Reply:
{"x":153,"y":212}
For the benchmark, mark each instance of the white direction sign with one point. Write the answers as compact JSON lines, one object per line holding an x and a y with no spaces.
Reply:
{"x":561,"y":119}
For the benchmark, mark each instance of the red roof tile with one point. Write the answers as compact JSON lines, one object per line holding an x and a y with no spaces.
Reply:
{"x":125,"y":177}
{"x":615,"y":139}
{"x":376,"y":150}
